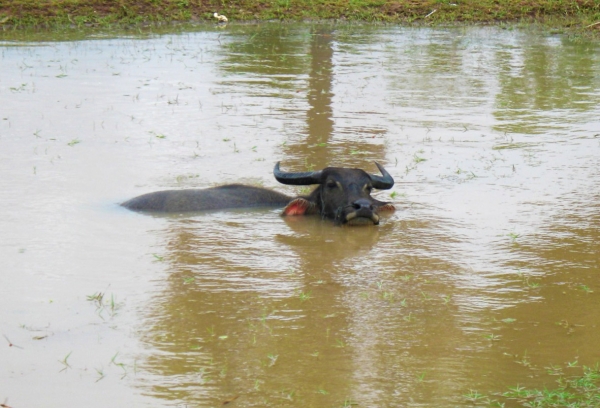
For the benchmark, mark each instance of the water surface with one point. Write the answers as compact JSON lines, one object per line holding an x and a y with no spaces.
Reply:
{"x":485,"y":277}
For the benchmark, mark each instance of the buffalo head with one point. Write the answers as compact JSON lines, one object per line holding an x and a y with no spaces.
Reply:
{"x":343,"y":195}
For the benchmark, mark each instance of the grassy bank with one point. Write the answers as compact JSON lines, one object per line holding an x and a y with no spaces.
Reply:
{"x":16,"y":14}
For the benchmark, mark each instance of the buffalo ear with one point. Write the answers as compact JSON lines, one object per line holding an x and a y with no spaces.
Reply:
{"x":299,"y":206}
{"x":387,"y":207}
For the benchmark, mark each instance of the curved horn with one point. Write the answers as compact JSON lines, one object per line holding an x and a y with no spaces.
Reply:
{"x":382,"y":183}
{"x":297,"y":179}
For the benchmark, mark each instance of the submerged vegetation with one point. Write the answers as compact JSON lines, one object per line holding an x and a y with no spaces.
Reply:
{"x":16,"y":14}
{"x":577,"y":391}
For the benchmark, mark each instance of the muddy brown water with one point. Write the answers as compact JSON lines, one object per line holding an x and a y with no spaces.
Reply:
{"x":485,"y":277}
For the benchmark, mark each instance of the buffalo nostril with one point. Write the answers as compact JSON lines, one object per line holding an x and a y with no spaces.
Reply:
{"x":362,"y":204}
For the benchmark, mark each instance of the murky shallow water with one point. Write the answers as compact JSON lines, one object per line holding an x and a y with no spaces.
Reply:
{"x":485,"y":276}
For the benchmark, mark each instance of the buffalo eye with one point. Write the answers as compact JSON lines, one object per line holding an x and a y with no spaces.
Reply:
{"x":331,"y":184}
{"x":368,"y":188}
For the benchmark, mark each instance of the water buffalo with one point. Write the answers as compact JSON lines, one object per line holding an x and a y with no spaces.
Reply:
{"x":343,"y":195}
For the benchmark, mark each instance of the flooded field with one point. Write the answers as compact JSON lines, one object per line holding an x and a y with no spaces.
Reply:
{"x":486,"y":276}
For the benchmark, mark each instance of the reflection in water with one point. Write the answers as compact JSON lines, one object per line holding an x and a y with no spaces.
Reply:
{"x":267,"y":60}
{"x":319,"y":122}
{"x":331,"y":302}
{"x":485,"y":276}
{"x":536,"y":81}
